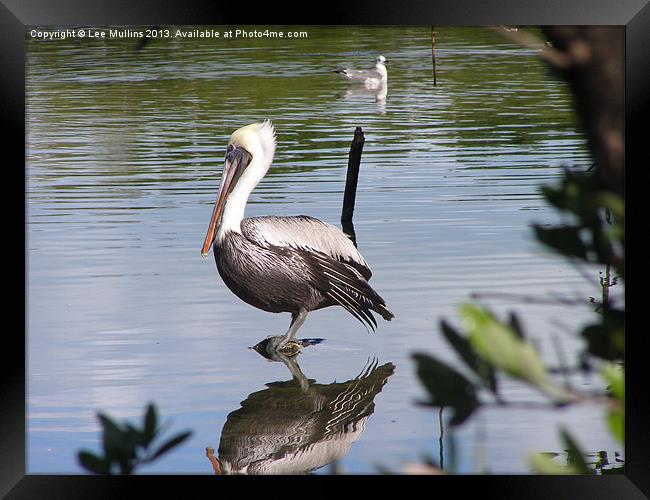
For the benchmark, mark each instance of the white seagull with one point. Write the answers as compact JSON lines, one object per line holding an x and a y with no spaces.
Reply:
{"x":371,"y":78}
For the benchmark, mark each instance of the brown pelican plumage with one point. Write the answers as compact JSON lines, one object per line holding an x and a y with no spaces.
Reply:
{"x":283,"y":264}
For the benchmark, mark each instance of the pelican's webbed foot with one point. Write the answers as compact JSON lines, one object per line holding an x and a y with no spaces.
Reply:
{"x":271,"y":346}
{"x":290,"y":348}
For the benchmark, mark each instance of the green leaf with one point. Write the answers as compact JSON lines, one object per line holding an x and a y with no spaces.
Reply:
{"x":542,"y":463}
{"x":133,"y":438}
{"x":576,"y":457}
{"x":447,"y":387}
{"x":122,"y":443}
{"x":613,"y":202}
{"x":515,"y":326}
{"x":467,"y":353}
{"x":614,"y":375}
{"x":93,"y":463}
{"x":616,"y":423}
{"x":108,"y":424}
{"x":115,"y":446}
{"x":500,"y":346}
{"x":606,"y":340}
{"x":563,"y":239}
{"x":570,"y":194}
{"x":175,"y":441}
{"x":150,"y":421}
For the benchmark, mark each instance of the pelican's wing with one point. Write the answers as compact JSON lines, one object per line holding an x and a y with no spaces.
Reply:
{"x":305,"y":233}
{"x":343,"y":284}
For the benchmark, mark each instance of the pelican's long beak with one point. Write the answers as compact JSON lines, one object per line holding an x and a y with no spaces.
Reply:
{"x":237,"y":159}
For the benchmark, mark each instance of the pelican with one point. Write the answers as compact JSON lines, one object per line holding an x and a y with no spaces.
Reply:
{"x":283,"y":264}
{"x":284,"y":429}
{"x":371,"y":78}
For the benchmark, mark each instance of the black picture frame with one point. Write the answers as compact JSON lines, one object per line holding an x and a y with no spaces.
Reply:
{"x":15,"y":15}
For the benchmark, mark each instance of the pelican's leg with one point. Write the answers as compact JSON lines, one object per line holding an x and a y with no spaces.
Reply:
{"x":288,"y":342}
{"x":297,"y":319}
{"x":295,"y":370}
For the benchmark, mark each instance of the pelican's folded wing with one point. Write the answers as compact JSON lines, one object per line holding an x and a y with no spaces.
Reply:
{"x":343,"y":284}
{"x":305,"y":233}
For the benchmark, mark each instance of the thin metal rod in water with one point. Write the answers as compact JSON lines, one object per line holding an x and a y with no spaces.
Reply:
{"x":354,"y":160}
{"x":442,"y":432}
{"x":433,"y":54}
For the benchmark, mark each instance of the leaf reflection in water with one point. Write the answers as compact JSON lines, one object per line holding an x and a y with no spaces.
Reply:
{"x":298,"y":426}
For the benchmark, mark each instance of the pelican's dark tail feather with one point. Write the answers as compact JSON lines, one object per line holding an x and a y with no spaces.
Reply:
{"x":348,"y":288}
{"x":353,"y":306}
{"x":385,"y":313}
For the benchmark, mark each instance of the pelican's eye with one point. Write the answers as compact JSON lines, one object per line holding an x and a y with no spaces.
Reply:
{"x":232,"y":152}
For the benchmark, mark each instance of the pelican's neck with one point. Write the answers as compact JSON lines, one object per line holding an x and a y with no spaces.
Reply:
{"x":233,"y":210}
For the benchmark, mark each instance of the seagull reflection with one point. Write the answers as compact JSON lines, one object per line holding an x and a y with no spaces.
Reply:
{"x":298,"y":426}
{"x":359,"y":91}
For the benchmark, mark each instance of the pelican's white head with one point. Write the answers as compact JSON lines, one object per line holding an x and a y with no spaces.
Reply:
{"x":248,"y":157}
{"x":258,"y":139}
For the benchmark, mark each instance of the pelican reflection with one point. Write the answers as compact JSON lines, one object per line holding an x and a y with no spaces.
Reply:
{"x":298,"y":426}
